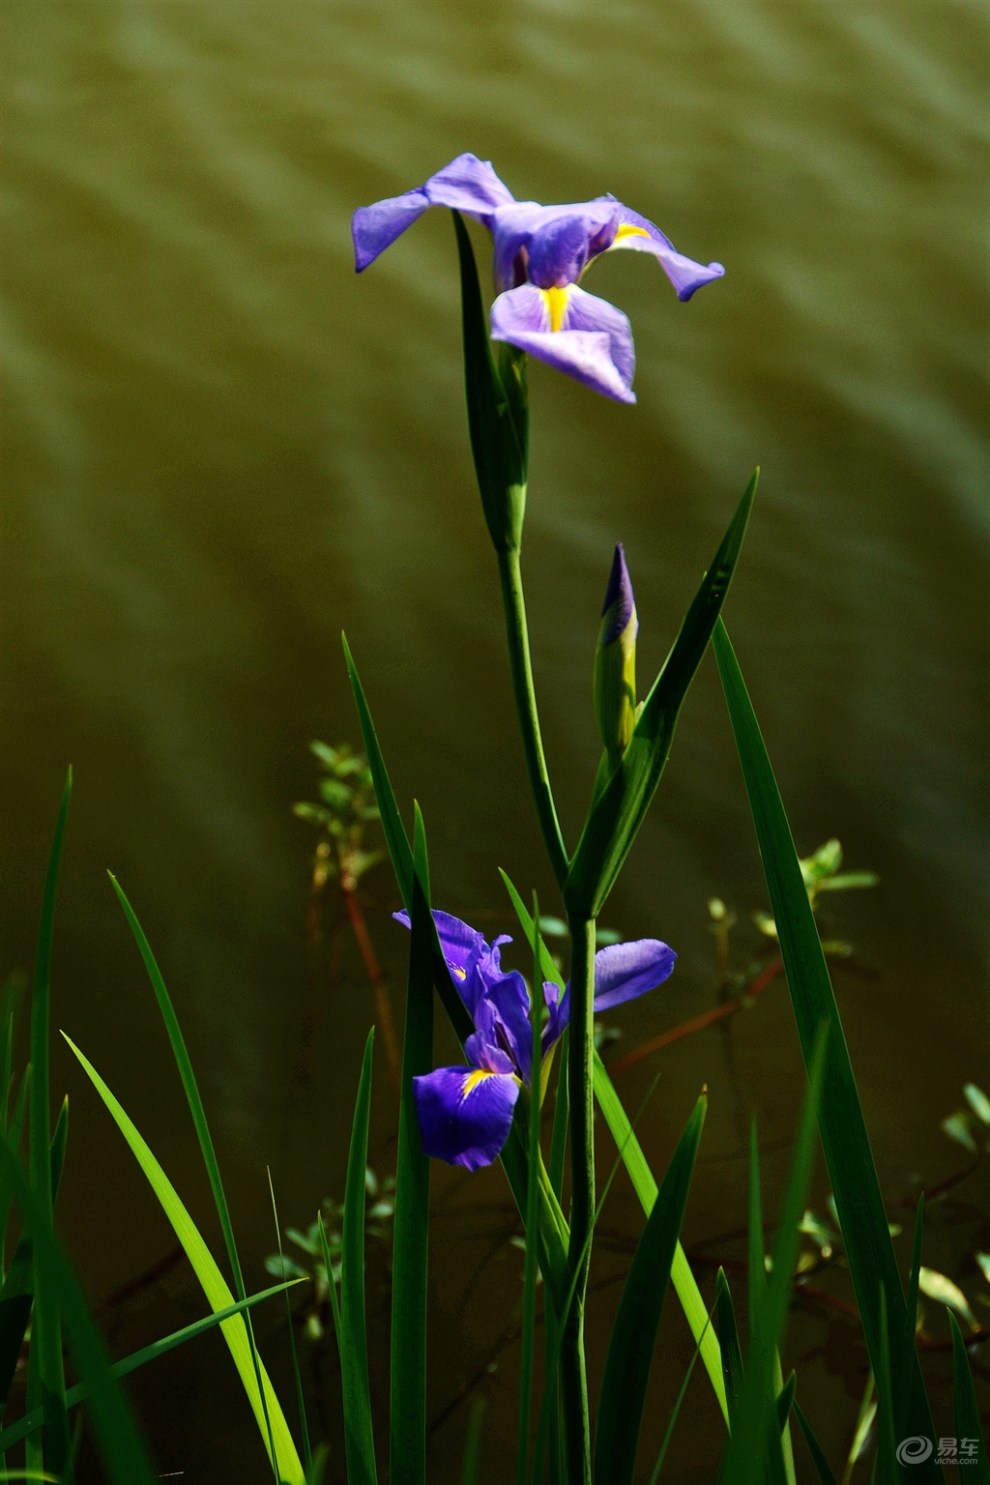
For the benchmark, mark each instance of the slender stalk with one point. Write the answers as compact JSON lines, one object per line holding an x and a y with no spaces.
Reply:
{"x":521,"y":666}
{"x":577,"y":1422}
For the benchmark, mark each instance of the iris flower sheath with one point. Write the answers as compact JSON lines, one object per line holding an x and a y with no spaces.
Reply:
{"x":540,"y":254}
{"x":465,"y":1113}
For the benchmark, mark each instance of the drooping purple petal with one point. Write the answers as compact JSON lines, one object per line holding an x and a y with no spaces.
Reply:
{"x":465,"y":1114}
{"x":623,"y":971}
{"x":594,"y":344}
{"x":467,"y":184}
{"x":472,"y":961}
{"x":645,"y":237}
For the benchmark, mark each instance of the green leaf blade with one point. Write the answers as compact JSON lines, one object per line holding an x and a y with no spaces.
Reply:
{"x":631,"y":1347}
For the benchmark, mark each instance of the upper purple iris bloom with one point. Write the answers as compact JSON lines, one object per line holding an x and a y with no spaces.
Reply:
{"x":540,"y":254}
{"x":465,"y":1113}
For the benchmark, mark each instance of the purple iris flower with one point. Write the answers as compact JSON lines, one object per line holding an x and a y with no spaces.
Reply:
{"x":540,"y":254}
{"x":465,"y":1113}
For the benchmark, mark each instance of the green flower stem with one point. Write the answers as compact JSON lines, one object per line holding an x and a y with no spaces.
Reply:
{"x":582,"y":1133}
{"x":529,"y":722}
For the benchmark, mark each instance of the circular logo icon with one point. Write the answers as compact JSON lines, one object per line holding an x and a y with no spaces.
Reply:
{"x":914,"y":1450}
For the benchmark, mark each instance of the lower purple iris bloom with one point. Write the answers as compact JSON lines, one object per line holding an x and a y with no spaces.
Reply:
{"x":465,"y":1113}
{"x":540,"y":254}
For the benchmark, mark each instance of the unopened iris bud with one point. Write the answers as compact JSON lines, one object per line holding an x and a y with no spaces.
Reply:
{"x":615,"y":660}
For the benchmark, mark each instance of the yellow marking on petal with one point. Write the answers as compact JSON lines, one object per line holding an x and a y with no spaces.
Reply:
{"x":473,"y":1079}
{"x":556,"y":306}
{"x":628,"y":229}
{"x":455,"y":969}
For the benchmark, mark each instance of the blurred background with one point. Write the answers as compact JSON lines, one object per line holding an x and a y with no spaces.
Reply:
{"x":221,"y":448}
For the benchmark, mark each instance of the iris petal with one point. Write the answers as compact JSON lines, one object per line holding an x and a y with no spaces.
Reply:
{"x":645,"y":237}
{"x":623,"y":971}
{"x":465,"y":1114}
{"x":472,"y":961}
{"x":467,"y":184}
{"x":594,"y":345}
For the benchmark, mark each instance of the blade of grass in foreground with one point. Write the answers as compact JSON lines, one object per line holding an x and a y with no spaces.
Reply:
{"x":123,"y":1450}
{"x":46,"y":1372}
{"x":184,"y":1065}
{"x":858,"y":1199}
{"x":407,"y":1424}
{"x":630,"y":1351}
{"x":352,"y":1334}
{"x":965,"y":1403}
{"x":757,"y":1453}
{"x":127,"y":1364}
{"x":643,"y":1183}
{"x":267,"y":1411}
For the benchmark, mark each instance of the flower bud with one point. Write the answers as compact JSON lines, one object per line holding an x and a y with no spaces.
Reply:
{"x":615,"y":660}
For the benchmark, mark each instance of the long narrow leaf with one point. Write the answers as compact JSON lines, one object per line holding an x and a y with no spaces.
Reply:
{"x":353,"y":1335}
{"x":287,"y":1463}
{"x":825,"y":1475}
{"x":412,"y":1202}
{"x":190,"y":1087}
{"x":47,"y":1372}
{"x":16,"y":1292}
{"x":14,"y":1432}
{"x":756,"y":1455}
{"x":858,"y":1199}
{"x":124,"y":1452}
{"x":620,"y":804}
{"x":644,"y":1185}
{"x":630,"y":1351}
{"x":966,"y":1406}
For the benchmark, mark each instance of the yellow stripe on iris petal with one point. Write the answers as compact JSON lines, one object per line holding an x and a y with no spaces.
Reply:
{"x":628,"y":229}
{"x":556,"y":306}
{"x":473,"y":1079}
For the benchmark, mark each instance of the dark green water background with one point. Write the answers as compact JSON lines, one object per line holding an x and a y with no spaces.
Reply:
{"x":220,"y":448}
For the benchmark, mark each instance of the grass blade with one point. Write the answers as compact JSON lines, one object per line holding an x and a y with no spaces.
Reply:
{"x":16,"y":1292}
{"x":47,"y":1371}
{"x":307,"y":1452}
{"x":728,"y":1335}
{"x":14,"y":1432}
{"x":644,"y":1185}
{"x":123,"y":1450}
{"x":630,"y":1351}
{"x":965,"y":1404}
{"x":352,"y":1334}
{"x":190,"y":1087}
{"x":815,"y":1449}
{"x":407,"y":1426}
{"x":756,"y":1454}
{"x":261,"y":1395}
{"x":843,"y":1131}
{"x":526,"y":1346}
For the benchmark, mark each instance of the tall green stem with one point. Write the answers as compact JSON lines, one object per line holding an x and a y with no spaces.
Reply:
{"x":517,"y":631}
{"x":582,"y":1112}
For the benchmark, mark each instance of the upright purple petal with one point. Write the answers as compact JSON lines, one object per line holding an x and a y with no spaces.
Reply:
{"x":594,"y":344}
{"x":467,"y":184}
{"x":623,"y":971}
{"x":502,"y":1018}
{"x":643,"y":236}
{"x":470,"y":185}
{"x":472,"y":961}
{"x":465,"y":1114}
